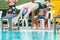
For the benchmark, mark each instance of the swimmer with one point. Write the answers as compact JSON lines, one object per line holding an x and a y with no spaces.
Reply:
{"x":32,"y":6}
{"x":11,"y":8}
{"x":41,"y":15}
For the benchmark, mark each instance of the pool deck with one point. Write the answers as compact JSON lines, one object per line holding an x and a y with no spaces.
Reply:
{"x":28,"y":29}
{"x":5,"y":28}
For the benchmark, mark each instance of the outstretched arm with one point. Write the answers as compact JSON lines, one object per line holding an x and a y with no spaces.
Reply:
{"x":50,"y":4}
{"x":45,"y":2}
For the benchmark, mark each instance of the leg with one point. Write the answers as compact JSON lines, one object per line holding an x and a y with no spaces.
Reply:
{"x":26,"y":15}
{"x":19,"y":15}
{"x":46,"y":22}
{"x":36,"y":22}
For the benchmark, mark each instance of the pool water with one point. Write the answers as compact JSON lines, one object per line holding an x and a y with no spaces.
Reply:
{"x":58,"y":36}
{"x":27,"y":35}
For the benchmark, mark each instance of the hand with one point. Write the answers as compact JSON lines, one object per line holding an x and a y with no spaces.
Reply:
{"x":46,"y":17}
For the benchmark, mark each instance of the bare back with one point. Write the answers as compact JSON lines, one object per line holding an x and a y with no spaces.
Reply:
{"x":42,"y":12}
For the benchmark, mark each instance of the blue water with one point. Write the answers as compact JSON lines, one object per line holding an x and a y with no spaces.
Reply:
{"x":27,"y":35}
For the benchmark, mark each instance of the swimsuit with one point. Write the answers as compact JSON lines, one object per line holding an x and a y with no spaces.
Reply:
{"x":41,"y":6}
{"x":11,"y":9}
{"x":41,"y":16}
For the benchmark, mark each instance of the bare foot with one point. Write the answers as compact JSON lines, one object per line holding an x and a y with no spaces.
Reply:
{"x":14,"y":24}
{"x":36,"y":27}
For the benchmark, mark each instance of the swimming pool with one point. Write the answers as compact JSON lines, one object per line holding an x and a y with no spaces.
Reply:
{"x":58,"y":36}
{"x":27,"y":35}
